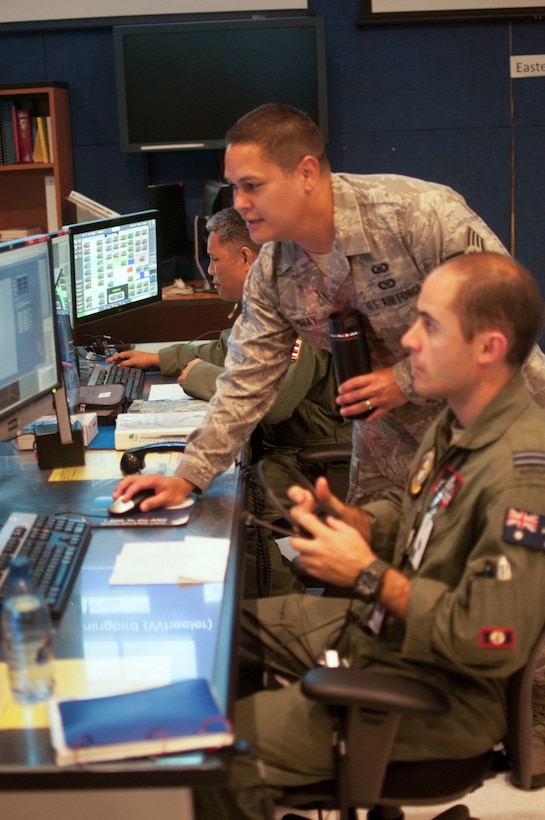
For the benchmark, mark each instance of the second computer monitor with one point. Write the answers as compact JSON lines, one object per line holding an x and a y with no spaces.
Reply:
{"x":114,"y":266}
{"x":29,"y":366}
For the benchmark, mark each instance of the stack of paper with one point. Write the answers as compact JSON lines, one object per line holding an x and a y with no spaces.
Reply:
{"x":195,"y":560}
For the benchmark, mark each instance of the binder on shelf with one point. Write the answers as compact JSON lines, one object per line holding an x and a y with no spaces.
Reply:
{"x":51,"y":204}
{"x":22,"y":119}
{"x":178,"y":717}
{"x":41,"y":142}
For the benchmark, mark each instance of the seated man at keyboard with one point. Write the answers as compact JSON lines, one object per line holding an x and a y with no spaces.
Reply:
{"x":305,"y":412}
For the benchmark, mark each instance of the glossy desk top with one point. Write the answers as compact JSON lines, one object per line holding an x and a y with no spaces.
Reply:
{"x":123,"y":636}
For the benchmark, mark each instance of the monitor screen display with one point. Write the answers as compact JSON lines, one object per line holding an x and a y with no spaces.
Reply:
{"x":29,"y":367}
{"x":114,"y":266}
{"x":183,"y":85}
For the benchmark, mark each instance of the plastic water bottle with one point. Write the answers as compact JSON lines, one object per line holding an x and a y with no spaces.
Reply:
{"x":26,"y":636}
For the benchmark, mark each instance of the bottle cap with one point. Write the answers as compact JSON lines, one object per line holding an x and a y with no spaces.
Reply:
{"x":19,"y":567}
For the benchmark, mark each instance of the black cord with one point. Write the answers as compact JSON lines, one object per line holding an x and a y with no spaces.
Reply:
{"x":263,"y":557}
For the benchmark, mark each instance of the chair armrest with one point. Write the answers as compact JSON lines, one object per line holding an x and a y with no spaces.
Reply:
{"x":370,"y":690}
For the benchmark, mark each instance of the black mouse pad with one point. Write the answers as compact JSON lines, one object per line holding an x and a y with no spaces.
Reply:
{"x":163,"y":517}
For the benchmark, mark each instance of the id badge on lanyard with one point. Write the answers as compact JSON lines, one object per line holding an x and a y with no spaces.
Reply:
{"x":446,"y":487}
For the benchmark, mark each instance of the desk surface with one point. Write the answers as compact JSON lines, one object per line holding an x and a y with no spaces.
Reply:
{"x":133,"y":635}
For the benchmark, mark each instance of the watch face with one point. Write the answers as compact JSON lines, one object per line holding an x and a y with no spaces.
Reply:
{"x":369,"y":581}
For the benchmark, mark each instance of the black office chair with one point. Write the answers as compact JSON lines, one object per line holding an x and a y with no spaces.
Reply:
{"x":370,"y":707}
{"x":333,"y":461}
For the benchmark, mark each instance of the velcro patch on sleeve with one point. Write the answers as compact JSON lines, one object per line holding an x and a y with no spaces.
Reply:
{"x":524,"y":528}
{"x":529,"y":458}
{"x":496,"y":637}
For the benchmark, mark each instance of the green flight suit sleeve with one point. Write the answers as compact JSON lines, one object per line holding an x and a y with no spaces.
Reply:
{"x":173,"y":359}
{"x":487,"y":622}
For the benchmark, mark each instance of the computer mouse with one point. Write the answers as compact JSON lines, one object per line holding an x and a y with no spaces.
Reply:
{"x":132,"y":505}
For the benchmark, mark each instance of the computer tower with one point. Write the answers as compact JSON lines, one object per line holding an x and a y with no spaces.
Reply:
{"x":169,"y":200}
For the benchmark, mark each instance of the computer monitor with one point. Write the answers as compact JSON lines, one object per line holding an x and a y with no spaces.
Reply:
{"x":61,"y":260}
{"x":30,"y":372}
{"x":62,"y":266}
{"x":114,"y":266}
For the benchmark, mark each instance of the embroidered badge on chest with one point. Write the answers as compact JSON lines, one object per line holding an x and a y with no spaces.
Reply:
{"x":422,"y":471}
{"x":447,"y":484}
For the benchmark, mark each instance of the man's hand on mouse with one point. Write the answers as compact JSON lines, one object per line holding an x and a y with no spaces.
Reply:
{"x":169,"y":490}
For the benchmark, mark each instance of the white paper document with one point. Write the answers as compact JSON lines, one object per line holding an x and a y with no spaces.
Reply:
{"x":195,"y":560}
{"x":166,"y":392}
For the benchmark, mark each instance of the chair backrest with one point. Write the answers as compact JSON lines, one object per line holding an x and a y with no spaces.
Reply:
{"x":519,"y":738}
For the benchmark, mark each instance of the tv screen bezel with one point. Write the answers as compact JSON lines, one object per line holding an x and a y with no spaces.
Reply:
{"x":128,"y":144}
{"x":125,"y":307}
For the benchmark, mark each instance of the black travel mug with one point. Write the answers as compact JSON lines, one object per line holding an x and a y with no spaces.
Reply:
{"x":349,"y":348}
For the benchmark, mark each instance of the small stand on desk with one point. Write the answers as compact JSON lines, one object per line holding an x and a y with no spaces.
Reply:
{"x":62,"y":447}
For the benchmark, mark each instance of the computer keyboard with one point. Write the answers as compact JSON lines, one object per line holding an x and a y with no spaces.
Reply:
{"x":55,"y":546}
{"x":131,"y":377}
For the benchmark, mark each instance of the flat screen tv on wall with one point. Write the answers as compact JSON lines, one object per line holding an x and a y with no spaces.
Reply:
{"x":182,"y":85}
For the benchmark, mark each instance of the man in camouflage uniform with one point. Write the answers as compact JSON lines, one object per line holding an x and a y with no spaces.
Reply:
{"x":330,"y":242}
{"x":304,"y":413}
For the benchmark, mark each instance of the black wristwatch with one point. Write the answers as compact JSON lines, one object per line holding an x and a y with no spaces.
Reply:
{"x":369,"y":581}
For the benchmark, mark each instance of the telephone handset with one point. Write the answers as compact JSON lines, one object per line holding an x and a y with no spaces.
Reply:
{"x":132,"y":461}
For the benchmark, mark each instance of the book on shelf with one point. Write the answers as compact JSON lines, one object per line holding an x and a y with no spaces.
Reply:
{"x":3,"y":155}
{"x":22,"y":129}
{"x":7,"y":122}
{"x":41,"y":142}
{"x":178,"y":717}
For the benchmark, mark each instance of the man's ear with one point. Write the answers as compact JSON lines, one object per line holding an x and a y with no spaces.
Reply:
{"x":309,"y":168}
{"x":494,"y":346}
{"x":247,"y":256}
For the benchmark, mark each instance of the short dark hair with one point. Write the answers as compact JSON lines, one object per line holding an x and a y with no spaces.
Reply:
{"x":285,"y":135}
{"x":231,"y":229}
{"x":496,"y":292}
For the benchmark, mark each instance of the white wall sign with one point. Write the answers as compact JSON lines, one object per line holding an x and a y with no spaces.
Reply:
{"x":527,"y":65}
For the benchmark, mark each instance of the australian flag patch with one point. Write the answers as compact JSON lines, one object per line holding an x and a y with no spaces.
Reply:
{"x":524,"y":528}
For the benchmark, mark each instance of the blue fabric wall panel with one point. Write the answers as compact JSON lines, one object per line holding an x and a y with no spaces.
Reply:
{"x":114,"y":179}
{"x":530,"y":201}
{"x":425,"y":77}
{"x":22,"y":59}
{"x":85,"y":60}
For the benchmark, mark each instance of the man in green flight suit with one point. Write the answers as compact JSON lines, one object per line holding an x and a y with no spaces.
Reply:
{"x":447,"y":576}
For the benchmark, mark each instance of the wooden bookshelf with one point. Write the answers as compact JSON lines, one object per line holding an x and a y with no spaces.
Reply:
{"x":23,"y":201}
